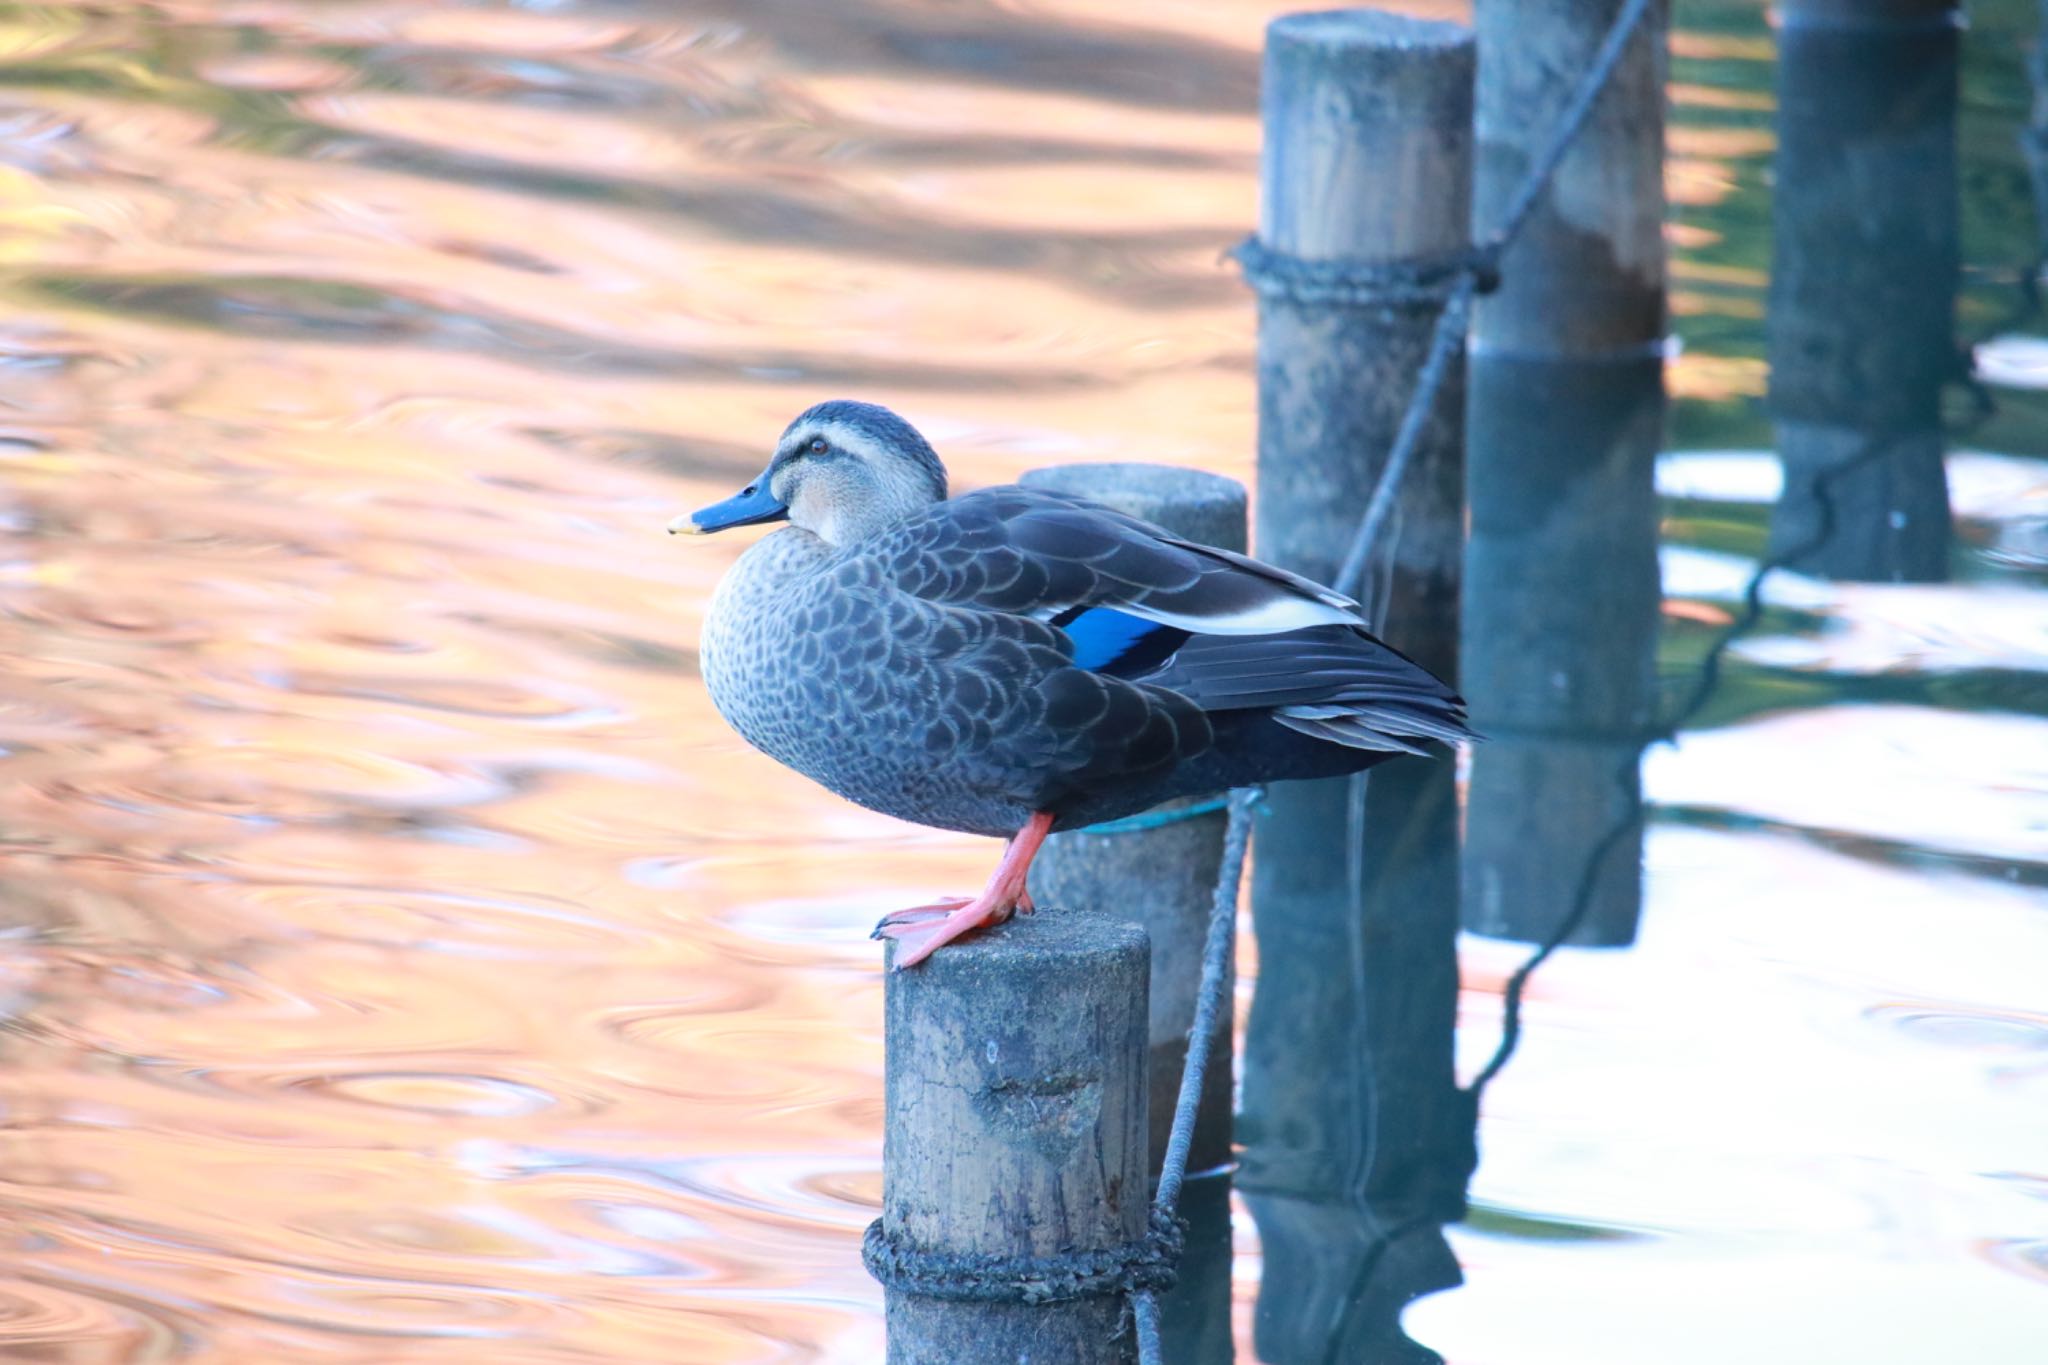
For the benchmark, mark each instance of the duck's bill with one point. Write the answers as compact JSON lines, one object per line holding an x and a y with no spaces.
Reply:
{"x":744,"y":508}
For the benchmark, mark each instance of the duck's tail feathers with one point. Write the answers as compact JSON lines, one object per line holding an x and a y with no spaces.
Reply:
{"x":1382,"y":726}
{"x":1332,"y":683}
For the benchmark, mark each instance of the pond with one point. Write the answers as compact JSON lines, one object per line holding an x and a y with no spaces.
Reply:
{"x":400,"y":961}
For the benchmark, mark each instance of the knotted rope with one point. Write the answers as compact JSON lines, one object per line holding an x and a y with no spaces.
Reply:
{"x":972,"y":1277}
{"x":1417,"y":282}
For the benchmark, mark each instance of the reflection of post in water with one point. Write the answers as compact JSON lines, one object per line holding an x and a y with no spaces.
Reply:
{"x":1863,"y":284}
{"x":1357,"y":1141}
{"x":2034,"y":140}
{"x":1561,"y":597}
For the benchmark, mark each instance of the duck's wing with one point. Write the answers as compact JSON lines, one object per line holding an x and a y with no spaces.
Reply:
{"x":1051,"y":557}
{"x":1142,"y":606}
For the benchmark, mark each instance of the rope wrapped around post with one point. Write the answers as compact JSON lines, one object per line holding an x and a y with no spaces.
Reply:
{"x":1142,"y":1269}
{"x":1160,"y":819}
{"x":1422,"y":282}
{"x":1147,"y":1266}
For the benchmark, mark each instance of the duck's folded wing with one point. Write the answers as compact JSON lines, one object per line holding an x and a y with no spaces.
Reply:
{"x":1139,"y":606}
{"x":1051,"y":557}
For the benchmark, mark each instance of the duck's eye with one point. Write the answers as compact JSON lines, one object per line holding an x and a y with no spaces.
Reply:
{"x":818,"y":445}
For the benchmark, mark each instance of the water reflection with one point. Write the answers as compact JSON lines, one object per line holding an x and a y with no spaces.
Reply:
{"x":1864,"y":272}
{"x":1357,"y":1141}
{"x":1194,"y":1316}
{"x":1560,"y":642}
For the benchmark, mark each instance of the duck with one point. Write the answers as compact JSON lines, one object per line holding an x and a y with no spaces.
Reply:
{"x":1015,"y":661}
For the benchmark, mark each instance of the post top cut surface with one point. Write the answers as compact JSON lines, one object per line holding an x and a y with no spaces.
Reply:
{"x":1027,"y":946}
{"x":1163,"y":482}
{"x":1204,"y":507}
{"x":1371,"y":29}
{"x":1368,"y":136}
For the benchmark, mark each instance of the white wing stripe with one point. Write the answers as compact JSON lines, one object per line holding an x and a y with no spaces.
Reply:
{"x":1274,"y":616}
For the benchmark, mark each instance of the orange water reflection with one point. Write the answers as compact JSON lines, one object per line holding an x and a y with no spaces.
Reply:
{"x":392,"y":975}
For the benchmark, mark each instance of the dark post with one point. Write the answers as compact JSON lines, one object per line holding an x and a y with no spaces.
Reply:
{"x":1349,"y":1099}
{"x":1565,"y":419}
{"x":1164,"y":878}
{"x":1864,"y":274}
{"x":2034,"y":137}
{"x":1015,"y":1126}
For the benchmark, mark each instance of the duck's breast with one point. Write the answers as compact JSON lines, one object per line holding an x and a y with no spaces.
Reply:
{"x":752,"y":638}
{"x":907,"y":707}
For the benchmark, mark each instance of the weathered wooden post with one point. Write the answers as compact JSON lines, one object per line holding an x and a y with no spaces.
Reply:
{"x":1565,"y":420}
{"x":1160,"y":871}
{"x":1367,"y":161}
{"x":1865,"y":267}
{"x":1585,"y":277}
{"x":1015,"y":1127}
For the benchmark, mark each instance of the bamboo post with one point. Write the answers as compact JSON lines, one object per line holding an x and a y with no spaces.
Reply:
{"x":1015,"y":1126}
{"x":1164,"y":878}
{"x":1863,"y":284}
{"x":1349,"y":1098}
{"x":1565,"y":419}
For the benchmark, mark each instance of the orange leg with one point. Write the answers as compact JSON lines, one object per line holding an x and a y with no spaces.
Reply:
{"x":1003,"y":895}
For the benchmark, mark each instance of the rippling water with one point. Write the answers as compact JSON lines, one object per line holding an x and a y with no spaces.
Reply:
{"x":389,"y":972}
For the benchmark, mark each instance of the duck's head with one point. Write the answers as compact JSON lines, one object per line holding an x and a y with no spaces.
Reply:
{"x":842,"y":471}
